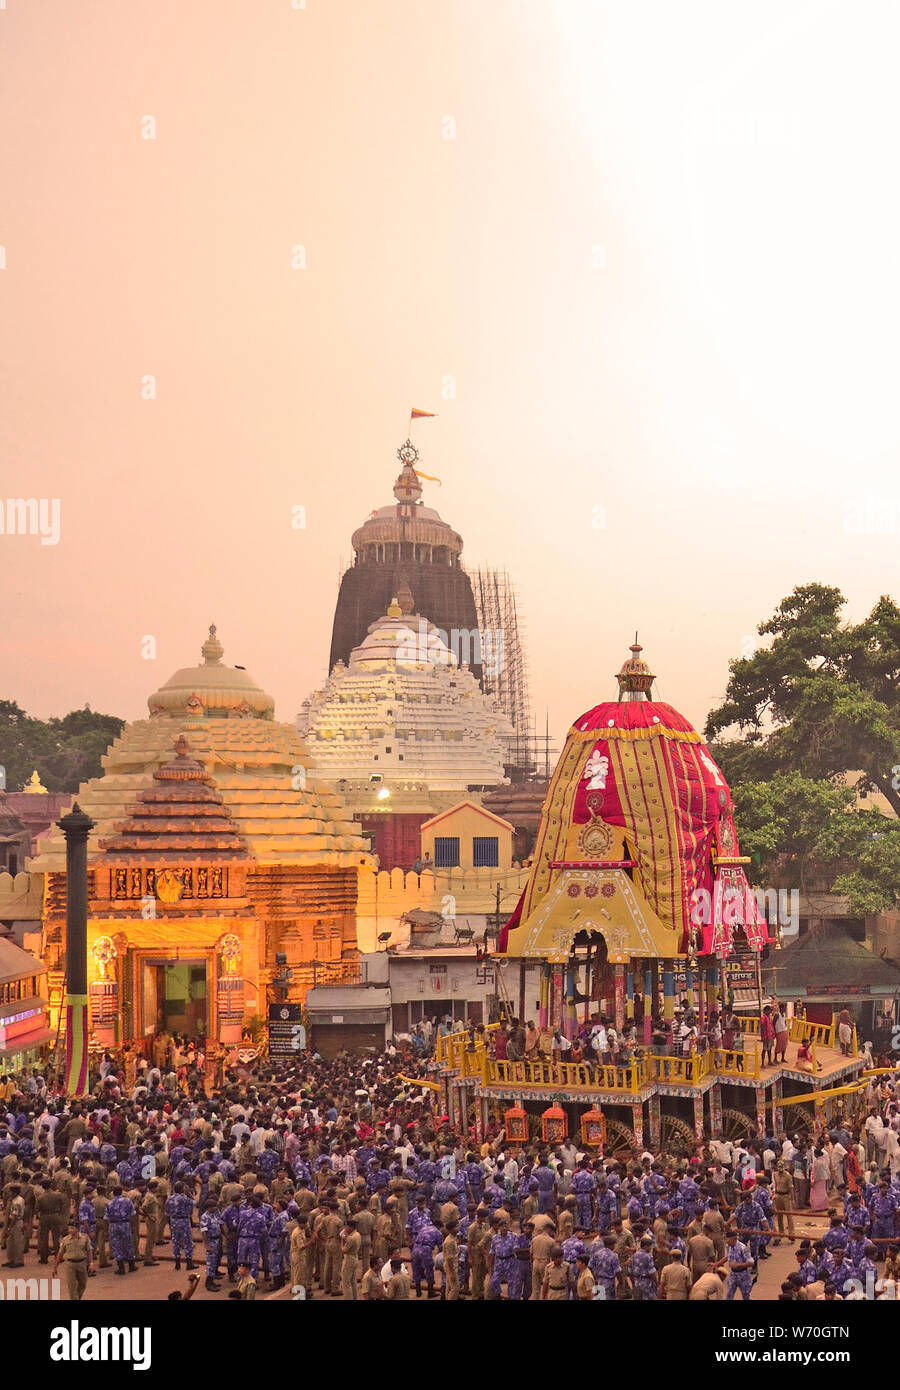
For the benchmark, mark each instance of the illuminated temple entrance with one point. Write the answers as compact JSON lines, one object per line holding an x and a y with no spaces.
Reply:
{"x":175,"y":997}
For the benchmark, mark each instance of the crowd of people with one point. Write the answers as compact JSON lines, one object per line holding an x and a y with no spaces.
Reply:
{"x":600,"y":1042}
{"x":341,"y":1178}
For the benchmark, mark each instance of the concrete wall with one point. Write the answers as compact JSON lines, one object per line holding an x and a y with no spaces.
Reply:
{"x":883,"y":934}
{"x":383,"y":898}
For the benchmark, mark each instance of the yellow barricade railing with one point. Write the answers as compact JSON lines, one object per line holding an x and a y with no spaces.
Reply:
{"x":735,"y":1063}
{"x":801,"y":1030}
{"x":473,"y":1061}
{"x":572,"y":1076}
{"x":579,"y":1076}
{"x":686,"y":1071}
{"x":450,"y":1047}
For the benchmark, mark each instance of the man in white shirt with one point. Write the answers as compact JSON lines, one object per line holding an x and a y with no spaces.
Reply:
{"x":717,"y":1174}
{"x":569,"y":1155}
{"x":238,"y":1130}
{"x":874,"y":1124}
{"x":838,"y":1154}
{"x":405,"y":1153}
{"x":510,"y":1173}
{"x":50,"y":1122}
{"x":386,"y":1271}
{"x":258,"y":1138}
{"x":723,"y":1151}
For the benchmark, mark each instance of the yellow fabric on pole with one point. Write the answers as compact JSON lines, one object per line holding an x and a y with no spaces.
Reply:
{"x":76,"y":1006}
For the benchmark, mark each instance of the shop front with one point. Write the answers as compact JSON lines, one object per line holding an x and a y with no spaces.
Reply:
{"x":24,"y":1029}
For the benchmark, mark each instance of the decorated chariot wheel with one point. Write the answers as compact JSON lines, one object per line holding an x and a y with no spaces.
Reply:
{"x":676,"y":1135}
{"x":620,"y":1140}
{"x":737,"y":1125}
{"x":796,"y":1118}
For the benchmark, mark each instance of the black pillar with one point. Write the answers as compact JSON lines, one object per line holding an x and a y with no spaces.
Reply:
{"x":76,"y":827}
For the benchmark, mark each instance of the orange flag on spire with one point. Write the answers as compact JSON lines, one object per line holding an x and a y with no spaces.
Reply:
{"x":422,"y":414}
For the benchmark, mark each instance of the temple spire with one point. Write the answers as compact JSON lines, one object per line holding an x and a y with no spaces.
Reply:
{"x":635,"y":678}
{"x":212,"y":649}
{"x":407,"y":488}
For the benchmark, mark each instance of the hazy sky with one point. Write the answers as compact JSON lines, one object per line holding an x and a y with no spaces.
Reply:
{"x":651,"y":286}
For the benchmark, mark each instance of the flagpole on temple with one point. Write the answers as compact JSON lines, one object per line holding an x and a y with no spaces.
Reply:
{"x":76,"y":827}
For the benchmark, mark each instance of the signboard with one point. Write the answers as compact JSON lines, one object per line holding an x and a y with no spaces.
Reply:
{"x":740,"y":976}
{"x":837,"y":989}
{"x":287,"y":1036}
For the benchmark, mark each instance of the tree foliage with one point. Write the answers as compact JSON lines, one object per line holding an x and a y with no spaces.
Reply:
{"x":64,"y":752}
{"x":817,"y":715}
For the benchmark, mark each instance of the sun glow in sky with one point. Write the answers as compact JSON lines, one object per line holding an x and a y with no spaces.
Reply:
{"x":650,"y":286}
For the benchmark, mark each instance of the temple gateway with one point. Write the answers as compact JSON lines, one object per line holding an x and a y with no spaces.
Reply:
{"x":218,"y":863}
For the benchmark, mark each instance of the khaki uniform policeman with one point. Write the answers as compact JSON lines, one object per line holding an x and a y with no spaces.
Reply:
{"x":784,"y":1201}
{"x":101,"y":1202}
{"x":75,"y":1256}
{"x":52,"y":1208}
{"x":451,"y":1262}
{"x":351,"y":1241}
{"x":14,"y":1230}
{"x":150,"y":1213}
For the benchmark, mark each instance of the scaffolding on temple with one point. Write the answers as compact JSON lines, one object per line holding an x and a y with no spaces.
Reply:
{"x":504,"y":665}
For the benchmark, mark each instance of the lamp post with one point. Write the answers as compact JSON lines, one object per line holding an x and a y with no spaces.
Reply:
{"x":76,"y":827}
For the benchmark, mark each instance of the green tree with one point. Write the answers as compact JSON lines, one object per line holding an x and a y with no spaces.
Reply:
{"x":65,"y":752}
{"x":817,"y":712}
{"x":822,"y":699}
{"x":782,"y":822}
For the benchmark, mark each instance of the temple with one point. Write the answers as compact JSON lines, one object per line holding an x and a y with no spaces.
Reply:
{"x":404,"y":544}
{"x":403,"y":731}
{"x":218,"y":863}
{"x":637,"y":898}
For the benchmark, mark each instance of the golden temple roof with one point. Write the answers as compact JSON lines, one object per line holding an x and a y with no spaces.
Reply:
{"x":261,"y":769}
{"x":183,"y":814}
{"x":212,"y":688}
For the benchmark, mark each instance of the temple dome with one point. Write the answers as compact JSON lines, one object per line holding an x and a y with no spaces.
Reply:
{"x":405,"y":541}
{"x":408,"y":520}
{"x":406,"y":710}
{"x":403,"y":640}
{"x":212,"y":689}
{"x":260,"y":769}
